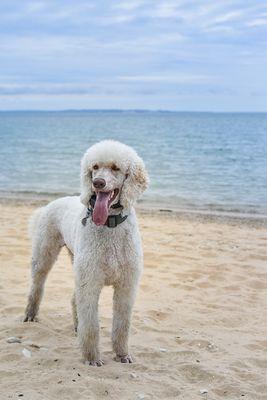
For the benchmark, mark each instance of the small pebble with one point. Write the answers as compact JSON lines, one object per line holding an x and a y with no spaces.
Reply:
{"x":133,"y":375}
{"x":141,"y":396}
{"x":26,"y":353}
{"x":162,"y":350}
{"x":203,"y":391}
{"x":211,"y":347}
{"x":13,"y":339}
{"x":21,"y":394}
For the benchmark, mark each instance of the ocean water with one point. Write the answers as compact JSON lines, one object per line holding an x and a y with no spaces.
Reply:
{"x":201,"y":161}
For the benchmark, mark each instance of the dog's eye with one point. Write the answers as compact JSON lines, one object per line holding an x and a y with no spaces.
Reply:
{"x":95,"y":166}
{"x":114,"y":167}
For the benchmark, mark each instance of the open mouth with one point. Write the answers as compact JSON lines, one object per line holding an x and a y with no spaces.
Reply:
{"x":113,"y":194}
{"x":102,"y":204}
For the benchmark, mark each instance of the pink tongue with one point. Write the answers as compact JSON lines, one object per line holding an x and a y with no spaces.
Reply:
{"x":100,"y":213}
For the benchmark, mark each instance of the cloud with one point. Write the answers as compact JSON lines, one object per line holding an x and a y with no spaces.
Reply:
{"x":178,"y":78}
{"x":35,"y":7}
{"x":120,"y":85}
{"x":257,"y":22}
{"x":46,"y":88}
{"x":137,"y":52}
{"x":47,"y":13}
{"x":128,"y":5}
{"x":165,"y":10}
{"x":115,"y":19}
{"x":230,"y":16}
{"x":41,"y":47}
{"x":228,"y":30}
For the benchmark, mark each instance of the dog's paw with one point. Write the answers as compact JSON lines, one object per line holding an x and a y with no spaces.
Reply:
{"x":127,"y":359}
{"x":30,"y":318}
{"x":95,"y":363}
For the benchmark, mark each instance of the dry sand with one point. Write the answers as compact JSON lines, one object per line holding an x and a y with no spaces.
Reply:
{"x":198,"y":323}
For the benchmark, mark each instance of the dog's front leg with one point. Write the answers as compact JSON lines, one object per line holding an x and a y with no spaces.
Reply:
{"x":123,"y":301}
{"x":87,"y":296}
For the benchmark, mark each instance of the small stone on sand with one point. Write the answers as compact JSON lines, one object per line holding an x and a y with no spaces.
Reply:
{"x":141,"y":396}
{"x":26,"y":353}
{"x":13,"y":339}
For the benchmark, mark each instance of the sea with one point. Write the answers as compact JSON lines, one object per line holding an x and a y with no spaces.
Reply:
{"x":211,"y":162}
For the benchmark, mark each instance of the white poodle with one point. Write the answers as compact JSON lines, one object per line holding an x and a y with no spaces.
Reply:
{"x":101,"y":233}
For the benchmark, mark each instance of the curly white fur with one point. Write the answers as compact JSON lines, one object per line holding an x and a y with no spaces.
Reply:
{"x":101,"y":255}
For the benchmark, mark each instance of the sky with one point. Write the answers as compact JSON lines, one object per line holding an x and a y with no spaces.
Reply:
{"x":140,"y":54}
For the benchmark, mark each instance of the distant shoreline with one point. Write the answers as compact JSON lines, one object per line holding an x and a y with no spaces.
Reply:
{"x":147,"y":208}
{"x":118,"y":110}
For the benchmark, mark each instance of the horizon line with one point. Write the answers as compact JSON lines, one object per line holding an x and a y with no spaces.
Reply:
{"x":137,"y":110}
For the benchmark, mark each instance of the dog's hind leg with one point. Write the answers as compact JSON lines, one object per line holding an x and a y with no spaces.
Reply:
{"x":45,"y":251}
{"x":73,"y":302}
{"x":74,"y":312}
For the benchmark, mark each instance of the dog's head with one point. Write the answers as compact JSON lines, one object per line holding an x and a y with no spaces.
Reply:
{"x":114,"y":172}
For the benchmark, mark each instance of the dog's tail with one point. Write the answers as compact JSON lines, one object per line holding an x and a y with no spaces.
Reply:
{"x":33,"y":222}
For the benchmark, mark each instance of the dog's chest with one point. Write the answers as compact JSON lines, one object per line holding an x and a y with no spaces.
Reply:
{"x":114,"y":262}
{"x":114,"y":259}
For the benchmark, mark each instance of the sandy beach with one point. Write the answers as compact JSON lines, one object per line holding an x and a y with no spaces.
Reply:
{"x":199,"y":323}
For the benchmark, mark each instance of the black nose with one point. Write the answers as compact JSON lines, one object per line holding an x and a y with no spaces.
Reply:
{"x":99,"y":183}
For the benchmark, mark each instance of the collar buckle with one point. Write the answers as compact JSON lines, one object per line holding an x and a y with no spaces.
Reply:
{"x":111,"y":221}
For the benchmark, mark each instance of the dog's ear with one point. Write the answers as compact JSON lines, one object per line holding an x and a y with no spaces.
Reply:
{"x":86,"y":182}
{"x":136,"y":182}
